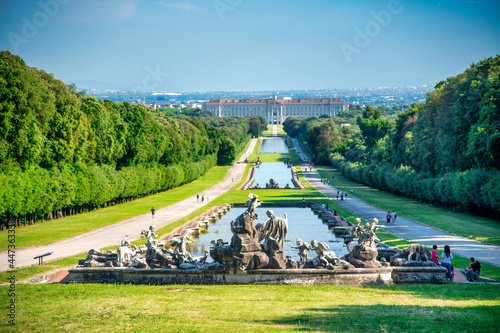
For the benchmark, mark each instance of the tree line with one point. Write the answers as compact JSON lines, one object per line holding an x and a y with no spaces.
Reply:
{"x":63,"y":152}
{"x":444,"y":151}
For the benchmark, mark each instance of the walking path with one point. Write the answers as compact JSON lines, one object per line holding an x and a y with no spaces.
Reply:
{"x":113,"y":234}
{"x":410,"y":230}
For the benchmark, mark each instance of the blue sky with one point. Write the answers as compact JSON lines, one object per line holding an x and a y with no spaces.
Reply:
{"x":235,"y":45}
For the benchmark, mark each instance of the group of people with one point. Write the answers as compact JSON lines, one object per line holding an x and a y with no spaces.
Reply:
{"x":391,"y":217}
{"x":446,"y":261}
{"x":202,"y":198}
{"x":343,"y":195}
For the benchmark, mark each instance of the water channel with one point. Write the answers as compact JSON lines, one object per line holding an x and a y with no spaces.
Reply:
{"x":302,"y":223}
{"x":277,"y":171}
{"x":274,"y":146}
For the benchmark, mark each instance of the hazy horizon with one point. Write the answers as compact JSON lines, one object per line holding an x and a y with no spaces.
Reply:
{"x":237,"y":45}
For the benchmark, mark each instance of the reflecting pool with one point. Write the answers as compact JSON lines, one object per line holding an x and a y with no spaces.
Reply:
{"x":277,"y":171}
{"x":302,"y":223}
{"x":274,"y":146}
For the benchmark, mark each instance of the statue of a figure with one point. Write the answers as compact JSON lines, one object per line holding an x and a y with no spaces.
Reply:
{"x":125,"y":254}
{"x":180,"y":251}
{"x":302,"y":247}
{"x":369,"y":235}
{"x":327,"y":258}
{"x":274,"y":227}
{"x":150,"y":235}
{"x":357,"y":230}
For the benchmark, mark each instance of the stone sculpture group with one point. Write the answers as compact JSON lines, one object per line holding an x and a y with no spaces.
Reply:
{"x":259,"y":246}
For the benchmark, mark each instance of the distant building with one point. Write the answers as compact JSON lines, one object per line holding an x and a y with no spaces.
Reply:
{"x":275,"y":110}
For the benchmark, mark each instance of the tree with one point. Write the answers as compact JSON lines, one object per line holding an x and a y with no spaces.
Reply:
{"x":227,"y":152}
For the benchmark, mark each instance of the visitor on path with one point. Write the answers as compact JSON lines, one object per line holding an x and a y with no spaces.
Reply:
{"x":327,"y":206}
{"x":434,"y":254}
{"x":197,"y":197}
{"x":153,"y":210}
{"x":446,"y":259}
{"x":202,"y":197}
{"x":323,"y":206}
{"x":388,"y":217}
{"x":341,"y":195}
{"x":334,"y":213}
{"x":393,"y":217}
{"x":352,"y":191}
{"x":338,"y":194}
{"x":328,"y":182}
{"x":345,"y":195}
{"x":473,"y":271}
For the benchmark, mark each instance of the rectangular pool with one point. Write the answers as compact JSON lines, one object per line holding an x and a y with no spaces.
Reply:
{"x":277,"y":171}
{"x":274,"y":146}
{"x":302,"y":223}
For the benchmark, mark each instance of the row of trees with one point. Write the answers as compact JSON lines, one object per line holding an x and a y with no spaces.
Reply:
{"x":444,"y":150}
{"x":62,"y":152}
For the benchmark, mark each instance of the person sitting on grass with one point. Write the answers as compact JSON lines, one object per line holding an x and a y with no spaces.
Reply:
{"x":473,"y":271}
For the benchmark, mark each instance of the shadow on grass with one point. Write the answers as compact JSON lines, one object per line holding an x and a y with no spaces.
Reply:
{"x":395,"y":318}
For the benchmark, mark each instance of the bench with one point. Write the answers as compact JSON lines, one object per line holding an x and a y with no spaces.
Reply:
{"x":40,"y":257}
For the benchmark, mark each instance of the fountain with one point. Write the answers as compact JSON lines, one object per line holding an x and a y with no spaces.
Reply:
{"x":256,"y":254}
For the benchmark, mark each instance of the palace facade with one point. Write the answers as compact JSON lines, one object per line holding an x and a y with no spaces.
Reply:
{"x":275,"y":110}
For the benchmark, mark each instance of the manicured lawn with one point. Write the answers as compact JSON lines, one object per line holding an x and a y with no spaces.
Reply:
{"x":255,"y":308}
{"x":473,"y":227}
{"x":269,"y":131}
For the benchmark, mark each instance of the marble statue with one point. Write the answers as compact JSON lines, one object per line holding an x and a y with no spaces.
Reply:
{"x":324,"y":257}
{"x":274,"y":227}
{"x":303,"y":247}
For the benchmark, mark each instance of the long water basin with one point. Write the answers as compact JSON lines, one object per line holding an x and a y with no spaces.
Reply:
{"x":277,"y":171}
{"x":274,"y":146}
{"x":302,"y":223}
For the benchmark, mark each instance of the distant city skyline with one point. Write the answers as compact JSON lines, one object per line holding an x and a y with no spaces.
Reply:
{"x":239,"y":45}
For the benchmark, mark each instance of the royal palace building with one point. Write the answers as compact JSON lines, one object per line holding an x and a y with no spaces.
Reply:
{"x":275,"y":110}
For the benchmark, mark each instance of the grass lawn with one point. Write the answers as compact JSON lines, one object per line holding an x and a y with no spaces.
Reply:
{"x":269,"y":131}
{"x":254,"y":308}
{"x":473,"y":227}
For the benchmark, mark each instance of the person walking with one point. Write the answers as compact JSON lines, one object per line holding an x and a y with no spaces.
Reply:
{"x":446,"y":259}
{"x":153,"y":210}
{"x":197,"y":197}
{"x":338,"y":194}
{"x":388,"y":217}
{"x":393,"y":217}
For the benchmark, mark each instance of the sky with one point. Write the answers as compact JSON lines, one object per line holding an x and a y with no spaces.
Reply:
{"x":250,"y":45}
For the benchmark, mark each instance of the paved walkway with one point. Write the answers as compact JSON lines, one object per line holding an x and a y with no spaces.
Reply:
{"x":113,"y":234}
{"x":410,"y":230}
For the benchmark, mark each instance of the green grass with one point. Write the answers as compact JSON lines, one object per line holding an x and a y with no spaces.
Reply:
{"x":254,"y":308}
{"x":473,"y":227}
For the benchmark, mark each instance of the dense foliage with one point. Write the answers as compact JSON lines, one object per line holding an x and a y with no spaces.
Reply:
{"x":62,"y":151}
{"x":444,"y":151}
